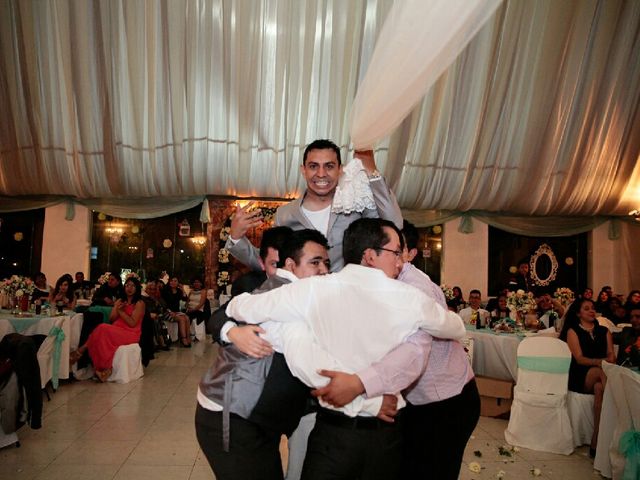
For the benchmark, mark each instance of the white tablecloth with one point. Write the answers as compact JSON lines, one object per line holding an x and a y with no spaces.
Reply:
{"x":42,"y":327}
{"x":495,"y":355}
{"x":620,"y":413}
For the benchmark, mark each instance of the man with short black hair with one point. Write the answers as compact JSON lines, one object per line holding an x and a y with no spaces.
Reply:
{"x":357,"y":315}
{"x":321,"y":168}
{"x":474,"y":313}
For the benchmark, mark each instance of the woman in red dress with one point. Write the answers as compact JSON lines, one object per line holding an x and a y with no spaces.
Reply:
{"x":126,"y":321}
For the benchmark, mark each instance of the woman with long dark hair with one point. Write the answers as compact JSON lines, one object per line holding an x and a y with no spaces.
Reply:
{"x":62,"y":293}
{"x":126,"y":323}
{"x":590,"y":345}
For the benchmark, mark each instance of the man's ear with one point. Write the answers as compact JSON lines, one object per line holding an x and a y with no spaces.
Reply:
{"x":261,"y":262}
{"x":412,"y":254}
{"x":368,"y":257}
{"x":289,"y":264}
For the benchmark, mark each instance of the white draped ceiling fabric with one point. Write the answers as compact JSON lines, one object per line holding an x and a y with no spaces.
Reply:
{"x":164,"y":102}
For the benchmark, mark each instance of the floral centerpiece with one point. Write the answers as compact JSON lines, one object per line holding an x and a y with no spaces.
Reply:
{"x":448,"y":292}
{"x":564,"y":296}
{"x":520,"y":303}
{"x":104,"y":278}
{"x":17,"y":286}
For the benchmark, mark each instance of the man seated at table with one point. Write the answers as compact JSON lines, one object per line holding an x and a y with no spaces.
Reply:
{"x":81,"y":284}
{"x":109,"y":292}
{"x":549,"y":310}
{"x":474,"y":313}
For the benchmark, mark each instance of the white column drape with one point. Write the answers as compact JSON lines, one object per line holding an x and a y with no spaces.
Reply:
{"x":418,"y":41}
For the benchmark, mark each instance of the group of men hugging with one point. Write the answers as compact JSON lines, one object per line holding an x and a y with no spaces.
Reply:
{"x":360,"y":368}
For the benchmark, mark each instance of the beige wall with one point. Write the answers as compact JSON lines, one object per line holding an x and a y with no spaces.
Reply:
{"x":465,"y":257}
{"x":65,"y":244}
{"x":614,"y":262}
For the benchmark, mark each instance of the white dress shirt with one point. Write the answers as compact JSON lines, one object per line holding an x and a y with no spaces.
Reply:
{"x":483,"y":315}
{"x":357,"y":315}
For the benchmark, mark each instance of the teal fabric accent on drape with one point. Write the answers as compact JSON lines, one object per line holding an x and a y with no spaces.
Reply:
{"x":21,"y":324}
{"x":629,"y":446}
{"x":466,"y":224}
{"x":59,"y":337}
{"x":71,"y":212}
{"x":545,"y":364}
{"x":105,"y":311}
{"x":614,"y":230}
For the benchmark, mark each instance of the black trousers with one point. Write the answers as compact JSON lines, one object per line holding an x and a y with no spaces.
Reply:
{"x":435,"y":435}
{"x":348,"y":449}
{"x":253,"y":453}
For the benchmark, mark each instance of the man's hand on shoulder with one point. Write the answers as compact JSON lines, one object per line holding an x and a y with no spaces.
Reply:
{"x":341,"y":389}
{"x":389,"y":408}
{"x":244,"y":219}
{"x":246,"y":339}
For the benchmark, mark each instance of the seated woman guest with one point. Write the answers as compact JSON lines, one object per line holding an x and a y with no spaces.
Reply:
{"x":62,"y":294}
{"x":41,"y":289}
{"x":109,"y":292}
{"x":172,"y":294}
{"x":633,"y":300}
{"x":602,"y":304}
{"x":126,"y":322}
{"x":500,"y":312}
{"x":590,"y":345}
{"x":196,"y":301}
{"x":628,"y":337}
{"x":458,"y":299}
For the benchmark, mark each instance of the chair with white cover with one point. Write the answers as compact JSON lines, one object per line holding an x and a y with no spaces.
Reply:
{"x":53,"y":354}
{"x":127,"y":364}
{"x":539,"y":417}
{"x":580,"y":407}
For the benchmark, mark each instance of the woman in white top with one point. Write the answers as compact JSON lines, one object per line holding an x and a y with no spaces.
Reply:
{"x":196,"y":301}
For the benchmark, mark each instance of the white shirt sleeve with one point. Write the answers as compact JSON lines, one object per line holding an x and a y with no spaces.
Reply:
{"x":287,"y":303}
{"x":440,"y":323}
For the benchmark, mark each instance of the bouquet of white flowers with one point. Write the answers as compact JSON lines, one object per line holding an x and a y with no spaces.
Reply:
{"x":17,"y":285}
{"x":448,"y":292}
{"x":564,"y":295}
{"x":521,"y":301}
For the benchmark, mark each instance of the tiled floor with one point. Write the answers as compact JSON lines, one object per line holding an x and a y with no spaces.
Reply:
{"x":145,"y":430}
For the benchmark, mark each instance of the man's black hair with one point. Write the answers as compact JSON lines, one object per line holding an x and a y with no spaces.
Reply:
{"x":274,"y":238}
{"x":294,"y":244}
{"x":321,"y":144}
{"x":475,"y":290}
{"x":411,"y":235}
{"x":366,"y":233}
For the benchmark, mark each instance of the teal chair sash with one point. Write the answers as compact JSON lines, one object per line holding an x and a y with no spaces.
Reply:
{"x":629,"y":446}
{"x":545,"y":364}
{"x":59,"y":336}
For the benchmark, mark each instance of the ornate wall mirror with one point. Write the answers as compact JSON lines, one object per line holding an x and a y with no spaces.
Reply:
{"x":543,"y":266}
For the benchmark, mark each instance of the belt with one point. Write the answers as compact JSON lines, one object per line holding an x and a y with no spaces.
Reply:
{"x":341,"y":420}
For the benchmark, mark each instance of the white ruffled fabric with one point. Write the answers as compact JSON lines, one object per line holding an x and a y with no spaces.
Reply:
{"x":353,"y":193}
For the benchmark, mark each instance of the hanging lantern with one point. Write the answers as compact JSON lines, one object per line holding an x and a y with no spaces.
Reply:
{"x":184,"y":229}
{"x":102,"y":216}
{"x":18,"y":236}
{"x":166,"y":243}
{"x":135,"y":229}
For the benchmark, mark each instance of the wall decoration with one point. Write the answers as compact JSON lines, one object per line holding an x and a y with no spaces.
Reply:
{"x":543,"y":266}
{"x":184,"y":229}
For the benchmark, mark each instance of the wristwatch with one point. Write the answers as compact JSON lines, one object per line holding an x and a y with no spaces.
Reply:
{"x":375,"y":175}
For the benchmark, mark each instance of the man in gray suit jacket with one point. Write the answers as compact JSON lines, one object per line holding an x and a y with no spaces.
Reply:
{"x":321,"y":168}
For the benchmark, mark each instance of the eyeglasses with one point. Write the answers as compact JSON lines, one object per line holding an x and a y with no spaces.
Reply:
{"x":397,"y":253}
